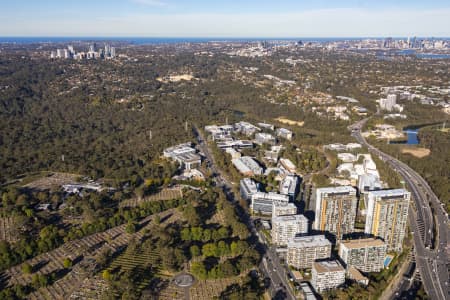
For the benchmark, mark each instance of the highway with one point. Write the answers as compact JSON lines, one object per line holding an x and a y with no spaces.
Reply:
{"x":428,"y":219}
{"x":270,"y":266}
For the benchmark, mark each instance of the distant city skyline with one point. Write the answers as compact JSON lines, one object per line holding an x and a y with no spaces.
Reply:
{"x":202,"y":18}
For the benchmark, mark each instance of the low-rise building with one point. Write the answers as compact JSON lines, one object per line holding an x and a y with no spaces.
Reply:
{"x":303,"y":251}
{"x":287,"y":165}
{"x":238,"y":144}
{"x":368,"y":182}
{"x":327,"y":275}
{"x":285,"y":228}
{"x":289,"y":186}
{"x":355,"y":275}
{"x":234,"y":154}
{"x":265,"y":138}
{"x":247,"y":166}
{"x":347,"y":157}
{"x":283,"y":209}
{"x":266,"y":126}
{"x":308,"y":294}
{"x":284,"y":133}
{"x":262,"y":203}
{"x":246,"y":128}
{"x":184,"y":154}
{"x":248,"y":188}
{"x":219,"y":132}
{"x":367,"y":255}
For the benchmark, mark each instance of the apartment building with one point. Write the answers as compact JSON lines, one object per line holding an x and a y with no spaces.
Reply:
{"x":285,"y":228}
{"x":327,"y":275}
{"x":387,"y":216}
{"x":303,"y":251}
{"x":248,"y":188}
{"x":283,"y":209}
{"x":367,"y":255}
{"x":336,"y":210}
{"x":262,"y":203}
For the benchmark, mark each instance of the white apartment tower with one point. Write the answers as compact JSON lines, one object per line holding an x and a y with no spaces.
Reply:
{"x":366,"y":255}
{"x":303,"y":251}
{"x":285,"y":228}
{"x":387,"y":215}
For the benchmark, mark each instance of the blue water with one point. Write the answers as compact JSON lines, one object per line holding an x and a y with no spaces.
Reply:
{"x":412,"y":137}
{"x":387,"y":261}
{"x":153,"y":40}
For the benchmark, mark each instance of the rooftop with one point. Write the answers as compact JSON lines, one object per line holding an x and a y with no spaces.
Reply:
{"x":309,"y":241}
{"x":328,"y":266}
{"x":336,"y":189}
{"x":290,"y":218}
{"x":388,"y":193}
{"x":361,"y":243}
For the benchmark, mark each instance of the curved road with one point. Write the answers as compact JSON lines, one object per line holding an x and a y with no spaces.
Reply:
{"x":428,"y":219}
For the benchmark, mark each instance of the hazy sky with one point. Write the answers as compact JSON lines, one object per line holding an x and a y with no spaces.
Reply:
{"x":225,"y":18}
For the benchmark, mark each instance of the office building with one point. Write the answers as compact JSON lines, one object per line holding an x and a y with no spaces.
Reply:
{"x":247,"y":166}
{"x":262,"y":203}
{"x":367,"y":255}
{"x":289,"y":186}
{"x":389,"y":102}
{"x":336,"y":210}
{"x":265,"y":138}
{"x":327,"y":275}
{"x":285,"y":228}
{"x":368,"y":182}
{"x":246,"y":128}
{"x":287,"y":165}
{"x":266,"y":126}
{"x":387,"y":216}
{"x":185,"y":155}
{"x":284,"y":133}
{"x":303,"y":251}
{"x":283,"y":209}
{"x":248,"y":188}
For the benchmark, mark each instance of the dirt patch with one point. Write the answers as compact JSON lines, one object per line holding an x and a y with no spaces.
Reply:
{"x":175,"y":78}
{"x":289,"y":122}
{"x":52,"y":180}
{"x":417,"y":152}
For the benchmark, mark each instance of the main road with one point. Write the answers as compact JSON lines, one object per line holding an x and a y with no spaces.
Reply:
{"x":279,"y":287}
{"x":428,"y":220}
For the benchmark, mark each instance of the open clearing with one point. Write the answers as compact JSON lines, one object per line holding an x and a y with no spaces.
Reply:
{"x":417,"y":152}
{"x":52,"y":180}
{"x":289,"y":122}
{"x":175,"y":78}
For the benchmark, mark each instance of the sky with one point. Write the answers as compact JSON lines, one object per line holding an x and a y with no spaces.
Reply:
{"x":225,"y":18}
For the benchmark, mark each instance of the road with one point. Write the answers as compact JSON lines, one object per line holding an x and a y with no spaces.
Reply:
{"x":428,"y":219}
{"x":279,"y":287}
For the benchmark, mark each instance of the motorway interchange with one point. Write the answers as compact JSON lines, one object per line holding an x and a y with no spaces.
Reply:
{"x":429,"y":222}
{"x":430,"y":230}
